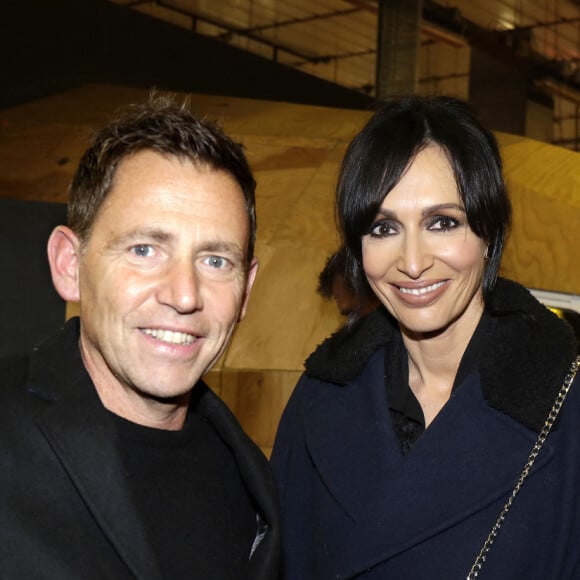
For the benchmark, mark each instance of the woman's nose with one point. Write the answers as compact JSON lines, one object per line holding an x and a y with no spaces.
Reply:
{"x":415,"y":256}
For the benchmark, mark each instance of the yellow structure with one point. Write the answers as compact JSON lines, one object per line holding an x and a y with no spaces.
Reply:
{"x":543,"y":250}
{"x":295,"y":151}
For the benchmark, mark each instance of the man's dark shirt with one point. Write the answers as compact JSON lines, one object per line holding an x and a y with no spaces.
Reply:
{"x":186,"y":485}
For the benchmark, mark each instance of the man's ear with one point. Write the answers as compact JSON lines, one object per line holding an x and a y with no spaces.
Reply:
{"x":63,"y":256}
{"x":252,"y":271}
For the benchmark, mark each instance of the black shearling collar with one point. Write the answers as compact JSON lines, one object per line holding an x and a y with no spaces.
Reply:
{"x":525,"y":353}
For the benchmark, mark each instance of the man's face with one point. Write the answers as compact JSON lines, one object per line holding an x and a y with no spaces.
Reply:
{"x":163,"y":279}
{"x":345,"y":299}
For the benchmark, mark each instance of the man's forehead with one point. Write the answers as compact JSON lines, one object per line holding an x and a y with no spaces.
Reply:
{"x":162,"y":200}
{"x":147,"y":169}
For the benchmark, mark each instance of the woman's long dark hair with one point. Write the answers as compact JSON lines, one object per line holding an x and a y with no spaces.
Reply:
{"x":379,"y":155}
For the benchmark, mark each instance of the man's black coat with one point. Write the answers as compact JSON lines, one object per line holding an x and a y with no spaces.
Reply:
{"x":65,"y":510}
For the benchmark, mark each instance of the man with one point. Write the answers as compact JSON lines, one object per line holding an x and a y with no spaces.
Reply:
{"x":116,"y":460}
{"x":334,"y":283}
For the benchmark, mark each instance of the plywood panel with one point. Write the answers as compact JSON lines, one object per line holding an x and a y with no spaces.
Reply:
{"x":257,"y":398}
{"x":544,"y":184}
{"x":295,"y":151}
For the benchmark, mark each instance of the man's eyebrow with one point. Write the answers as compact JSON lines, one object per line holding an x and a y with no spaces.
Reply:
{"x":144,"y":235}
{"x":224,"y":247}
{"x":140,"y":235}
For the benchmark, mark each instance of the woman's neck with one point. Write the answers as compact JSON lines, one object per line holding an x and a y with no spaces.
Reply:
{"x":434,"y":360}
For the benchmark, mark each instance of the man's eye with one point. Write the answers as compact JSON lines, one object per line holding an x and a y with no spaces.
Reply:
{"x":443,"y":223}
{"x":216,"y":262}
{"x":142,"y":250}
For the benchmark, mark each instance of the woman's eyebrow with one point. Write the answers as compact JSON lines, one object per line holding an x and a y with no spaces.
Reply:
{"x":442,"y":207}
{"x":390,"y":214}
{"x":387,"y":213}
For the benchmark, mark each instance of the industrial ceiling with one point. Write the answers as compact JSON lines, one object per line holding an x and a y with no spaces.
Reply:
{"x":337,"y":39}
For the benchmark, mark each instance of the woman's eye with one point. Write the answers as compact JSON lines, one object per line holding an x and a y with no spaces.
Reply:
{"x":382,"y":229}
{"x":142,"y":250}
{"x":444,"y":223}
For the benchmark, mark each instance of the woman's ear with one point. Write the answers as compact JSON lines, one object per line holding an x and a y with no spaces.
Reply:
{"x":63,"y":256}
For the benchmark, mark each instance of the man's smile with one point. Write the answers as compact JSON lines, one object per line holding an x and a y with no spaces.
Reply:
{"x":170,"y":336}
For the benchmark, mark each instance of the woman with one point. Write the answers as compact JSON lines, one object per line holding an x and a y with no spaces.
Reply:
{"x":406,"y":436}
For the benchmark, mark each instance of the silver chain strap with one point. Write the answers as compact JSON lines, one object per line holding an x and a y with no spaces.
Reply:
{"x":552,"y":415}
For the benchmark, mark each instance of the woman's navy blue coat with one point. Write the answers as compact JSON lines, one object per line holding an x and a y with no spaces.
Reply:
{"x":354,"y":506}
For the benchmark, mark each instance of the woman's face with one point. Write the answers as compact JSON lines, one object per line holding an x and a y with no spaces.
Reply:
{"x":421,"y":257}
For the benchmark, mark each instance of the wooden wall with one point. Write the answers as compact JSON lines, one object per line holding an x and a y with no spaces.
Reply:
{"x":295,"y":151}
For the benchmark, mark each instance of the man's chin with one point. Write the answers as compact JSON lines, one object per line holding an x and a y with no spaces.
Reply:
{"x":176,"y":400}
{"x":171,"y":395}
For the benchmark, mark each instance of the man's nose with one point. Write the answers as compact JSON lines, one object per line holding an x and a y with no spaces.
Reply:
{"x":416,"y":256}
{"x":181,"y":289}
